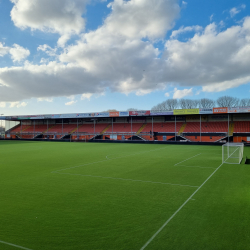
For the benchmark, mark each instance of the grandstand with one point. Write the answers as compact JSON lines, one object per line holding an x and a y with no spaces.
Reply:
{"x":203,"y":126}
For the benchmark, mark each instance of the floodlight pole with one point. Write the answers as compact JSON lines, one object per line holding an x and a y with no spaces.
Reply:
{"x":112,"y":129}
{"x":47,"y":128}
{"x":228,"y":128}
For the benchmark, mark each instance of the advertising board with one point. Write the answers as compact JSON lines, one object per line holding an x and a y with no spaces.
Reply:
{"x":221,"y":110}
{"x":124,"y":113}
{"x":35,"y":117}
{"x":239,"y":110}
{"x":139,"y":113}
{"x":102,"y":114}
{"x":55,"y":116}
{"x":67,"y":116}
{"x":186,"y":111}
{"x":47,"y":116}
{"x":162,"y":113}
{"x":206,"y":111}
{"x":114,"y":114}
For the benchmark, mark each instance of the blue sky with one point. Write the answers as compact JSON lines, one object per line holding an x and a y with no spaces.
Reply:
{"x":61,"y":56}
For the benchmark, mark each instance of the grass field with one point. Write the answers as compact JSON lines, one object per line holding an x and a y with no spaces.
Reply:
{"x":75,"y":196}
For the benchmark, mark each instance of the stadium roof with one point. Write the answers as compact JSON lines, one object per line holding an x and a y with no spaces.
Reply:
{"x":196,"y":111}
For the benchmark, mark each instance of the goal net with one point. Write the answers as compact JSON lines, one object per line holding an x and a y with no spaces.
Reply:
{"x":232,"y":153}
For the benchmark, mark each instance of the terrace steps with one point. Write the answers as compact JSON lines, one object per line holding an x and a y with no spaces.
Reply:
{"x":141,"y":128}
{"x":48,"y":129}
{"x":182,"y":128}
{"x":231,"y":129}
{"x":104,"y":130}
{"x":25,"y":128}
{"x":75,"y":129}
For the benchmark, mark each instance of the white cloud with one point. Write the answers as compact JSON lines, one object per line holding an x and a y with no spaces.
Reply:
{"x":70,"y":103}
{"x":2,"y":104}
{"x":222,"y":86}
{"x":178,"y":94}
{"x":45,"y":99}
{"x":18,"y":53}
{"x":167,"y":94}
{"x":142,"y":18}
{"x":47,"y":49}
{"x":182,"y":29}
{"x":234,"y":11}
{"x":57,"y":16}
{"x":211,"y":17}
{"x":210,"y":58}
{"x":3,"y":50}
{"x":113,"y":58}
{"x":86,"y":96}
{"x":17,"y":104}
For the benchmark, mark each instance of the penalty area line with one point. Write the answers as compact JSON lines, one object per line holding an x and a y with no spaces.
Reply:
{"x":163,"y":226}
{"x":186,"y":159}
{"x":13,"y":245}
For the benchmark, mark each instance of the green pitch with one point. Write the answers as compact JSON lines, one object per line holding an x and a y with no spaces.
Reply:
{"x":77,"y":196}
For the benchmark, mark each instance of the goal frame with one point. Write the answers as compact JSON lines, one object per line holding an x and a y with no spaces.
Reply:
{"x":232,"y":153}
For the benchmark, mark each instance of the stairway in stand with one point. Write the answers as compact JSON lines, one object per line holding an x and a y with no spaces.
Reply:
{"x":182,"y":128}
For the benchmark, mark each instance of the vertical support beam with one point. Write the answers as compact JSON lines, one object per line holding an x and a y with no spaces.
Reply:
{"x":131,"y":128}
{"x":228,"y":136}
{"x":112,"y":127}
{"x":175,"y":128}
{"x":62,"y":127}
{"x":21,"y":128}
{"x":152,"y":128}
{"x":77,"y":128}
{"x":200,"y":128}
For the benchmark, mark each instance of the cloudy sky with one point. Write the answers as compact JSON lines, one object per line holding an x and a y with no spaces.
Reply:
{"x":70,"y":56}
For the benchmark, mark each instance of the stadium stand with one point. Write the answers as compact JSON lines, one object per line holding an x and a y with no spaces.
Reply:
{"x":91,"y":128}
{"x":163,"y":127}
{"x":207,"y":127}
{"x":124,"y":127}
{"x":188,"y":130}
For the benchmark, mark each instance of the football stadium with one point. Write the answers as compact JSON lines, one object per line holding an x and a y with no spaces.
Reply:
{"x":126,"y":180}
{"x":124,"y":125}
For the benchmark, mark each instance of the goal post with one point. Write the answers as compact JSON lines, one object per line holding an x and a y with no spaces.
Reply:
{"x":232,"y":153}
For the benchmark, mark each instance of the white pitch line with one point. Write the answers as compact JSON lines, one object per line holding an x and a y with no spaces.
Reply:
{"x":143,"y":152}
{"x":161,"y":228}
{"x":122,"y":179}
{"x":10,"y":244}
{"x":187,"y":159}
{"x":194,"y":166}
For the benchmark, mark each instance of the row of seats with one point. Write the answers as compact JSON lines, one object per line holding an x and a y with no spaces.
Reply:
{"x":163,"y":127}
{"x":191,"y":127}
{"x":241,"y":127}
{"x":206,"y":127}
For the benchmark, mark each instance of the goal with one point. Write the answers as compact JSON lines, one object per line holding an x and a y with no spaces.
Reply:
{"x":232,"y":153}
